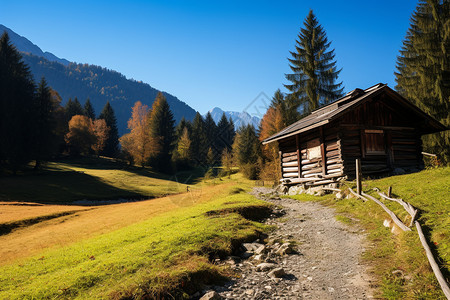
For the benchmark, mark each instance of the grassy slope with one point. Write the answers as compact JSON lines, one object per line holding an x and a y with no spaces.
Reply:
{"x":131,"y":249}
{"x":429,"y":191}
{"x":93,"y":179}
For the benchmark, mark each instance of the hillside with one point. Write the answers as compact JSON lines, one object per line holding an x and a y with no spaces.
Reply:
{"x":94,"y":82}
{"x":140,"y":250}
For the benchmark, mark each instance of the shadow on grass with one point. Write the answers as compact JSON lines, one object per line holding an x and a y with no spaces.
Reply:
{"x":60,"y":186}
{"x":191,"y":176}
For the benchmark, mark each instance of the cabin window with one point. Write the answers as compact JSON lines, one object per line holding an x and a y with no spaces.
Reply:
{"x":374,"y":141}
{"x":313,"y":149}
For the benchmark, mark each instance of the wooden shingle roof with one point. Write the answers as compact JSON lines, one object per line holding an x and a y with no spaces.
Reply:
{"x":352,"y":99}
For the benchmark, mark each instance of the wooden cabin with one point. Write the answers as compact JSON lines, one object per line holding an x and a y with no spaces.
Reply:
{"x":377,"y":125}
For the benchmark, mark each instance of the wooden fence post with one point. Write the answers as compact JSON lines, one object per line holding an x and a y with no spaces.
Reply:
{"x":358,"y":176}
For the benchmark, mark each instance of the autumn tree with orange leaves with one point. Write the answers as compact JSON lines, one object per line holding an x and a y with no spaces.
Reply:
{"x":279,"y":115}
{"x":81,"y":136}
{"x":137,"y":143}
{"x":101,"y":132}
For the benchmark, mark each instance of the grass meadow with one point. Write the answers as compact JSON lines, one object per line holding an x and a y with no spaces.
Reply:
{"x":152,"y":248}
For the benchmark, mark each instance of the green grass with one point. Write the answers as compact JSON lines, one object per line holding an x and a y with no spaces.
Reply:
{"x":428,"y":191}
{"x":92,"y":179}
{"x":168,"y":254}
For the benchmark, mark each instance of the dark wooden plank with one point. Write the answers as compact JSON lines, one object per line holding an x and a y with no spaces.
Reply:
{"x":299,"y":166}
{"x":323,"y":152}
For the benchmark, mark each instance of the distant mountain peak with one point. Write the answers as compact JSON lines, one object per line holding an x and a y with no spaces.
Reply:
{"x":239,"y":118}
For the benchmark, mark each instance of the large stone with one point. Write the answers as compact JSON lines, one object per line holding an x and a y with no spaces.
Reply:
{"x":296,"y":189}
{"x":213,"y":295}
{"x":277,"y":273}
{"x":261,"y":249}
{"x":286,"y":248}
{"x":251,"y":247}
{"x":258,"y":258}
{"x":262,"y":267}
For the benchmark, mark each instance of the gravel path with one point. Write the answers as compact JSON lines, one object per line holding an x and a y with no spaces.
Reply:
{"x":326,"y":266}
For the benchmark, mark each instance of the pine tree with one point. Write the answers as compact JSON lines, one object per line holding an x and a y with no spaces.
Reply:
{"x":423,"y":69}
{"x":73,"y":108}
{"x":112,"y":143}
{"x":313,"y":81}
{"x":44,"y":138}
{"x":223,"y":139}
{"x":16,"y":107}
{"x":211,"y":137}
{"x":179,"y":129}
{"x":161,"y":129}
{"x":231,"y":131}
{"x":246,"y":150}
{"x":184,"y":146}
{"x":198,"y":140}
{"x":182,"y":154}
{"x":88,"y":110}
{"x":287,"y":108}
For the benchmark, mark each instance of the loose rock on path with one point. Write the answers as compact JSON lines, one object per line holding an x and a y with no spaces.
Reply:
{"x":322,"y":260}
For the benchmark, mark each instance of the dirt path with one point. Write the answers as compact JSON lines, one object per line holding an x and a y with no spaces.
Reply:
{"x":327,"y":265}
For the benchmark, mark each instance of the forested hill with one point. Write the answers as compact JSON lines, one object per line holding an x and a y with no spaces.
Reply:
{"x":96,"y":83}
{"x":101,"y":85}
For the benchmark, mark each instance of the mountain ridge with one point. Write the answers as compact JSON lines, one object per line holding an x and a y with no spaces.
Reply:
{"x":97,"y":83}
{"x":239,"y":118}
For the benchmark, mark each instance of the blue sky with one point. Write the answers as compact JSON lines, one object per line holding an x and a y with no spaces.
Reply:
{"x":213,"y":53}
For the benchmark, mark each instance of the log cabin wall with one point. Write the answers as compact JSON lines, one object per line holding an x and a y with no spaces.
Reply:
{"x":376,"y":125}
{"x":315,"y":153}
{"x":381,"y":137}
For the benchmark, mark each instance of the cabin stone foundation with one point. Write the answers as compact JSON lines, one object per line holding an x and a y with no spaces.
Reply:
{"x":297,"y":189}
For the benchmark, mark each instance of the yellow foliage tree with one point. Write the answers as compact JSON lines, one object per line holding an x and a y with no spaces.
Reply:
{"x":81,"y":136}
{"x":138,"y":143}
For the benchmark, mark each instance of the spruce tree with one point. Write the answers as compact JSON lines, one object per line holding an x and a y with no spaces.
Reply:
{"x":73,"y":108}
{"x":88,"y":110}
{"x":211,"y":136}
{"x":16,"y":107}
{"x":179,"y":129}
{"x":423,"y":69}
{"x":313,"y":81}
{"x":112,"y":143}
{"x":198,"y":140}
{"x":223,"y":139}
{"x":44,"y":138}
{"x":246,"y":150}
{"x":231,"y":131}
{"x":162,"y":131}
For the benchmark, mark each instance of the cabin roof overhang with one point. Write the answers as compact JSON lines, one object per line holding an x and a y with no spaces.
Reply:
{"x":352,"y":100}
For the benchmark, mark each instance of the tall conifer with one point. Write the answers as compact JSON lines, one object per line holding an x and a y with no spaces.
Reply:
{"x":423,"y":68}
{"x":88,"y":110}
{"x":112,"y":143}
{"x":44,"y":138}
{"x":16,"y":107}
{"x":73,"y":107}
{"x":199,"y":140}
{"x":223,"y":138}
{"x":313,"y":81}
{"x":162,"y":131}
